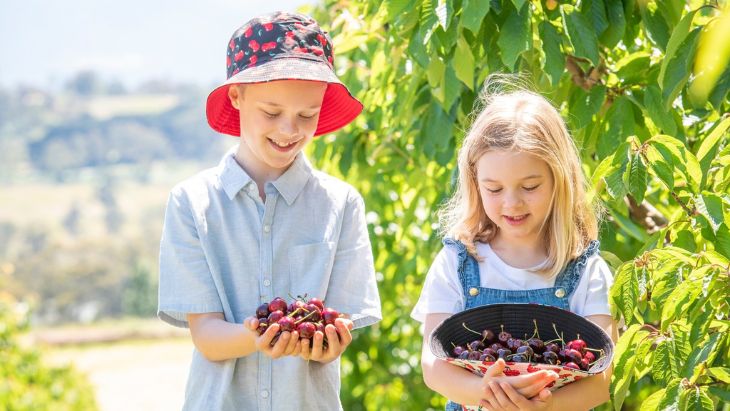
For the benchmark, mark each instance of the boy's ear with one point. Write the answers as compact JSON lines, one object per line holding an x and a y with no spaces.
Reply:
{"x":234,"y":92}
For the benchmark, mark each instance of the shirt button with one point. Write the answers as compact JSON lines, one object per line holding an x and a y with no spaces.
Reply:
{"x":267,"y":228}
{"x":560,"y":293}
{"x":252,"y":188}
{"x":473,"y":291}
{"x":264,"y":394}
{"x":267,"y":282}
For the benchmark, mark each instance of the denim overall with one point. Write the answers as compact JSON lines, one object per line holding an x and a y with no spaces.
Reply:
{"x":476,"y":296}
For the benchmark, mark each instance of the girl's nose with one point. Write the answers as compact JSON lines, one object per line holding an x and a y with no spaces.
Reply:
{"x":512,"y":199}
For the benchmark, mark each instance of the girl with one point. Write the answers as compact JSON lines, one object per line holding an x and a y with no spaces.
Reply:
{"x":519,"y":229}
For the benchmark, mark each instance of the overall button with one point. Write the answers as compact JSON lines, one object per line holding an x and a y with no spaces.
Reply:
{"x":267,"y":228}
{"x":560,"y":292}
{"x":473,"y":291}
{"x":264,"y":394}
{"x":267,"y":282}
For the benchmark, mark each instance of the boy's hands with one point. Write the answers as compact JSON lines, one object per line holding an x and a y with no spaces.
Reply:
{"x":287,"y":344}
{"x":501,"y":392}
{"x":338,"y":338}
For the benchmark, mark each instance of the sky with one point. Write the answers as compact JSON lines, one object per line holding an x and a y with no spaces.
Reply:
{"x":44,"y":43}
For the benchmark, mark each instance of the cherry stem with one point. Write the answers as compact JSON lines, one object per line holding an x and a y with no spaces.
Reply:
{"x":464,"y":325}
{"x":595,"y":350}
{"x":305,"y":317}
{"x":534,"y":321}
{"x":560,"y":336}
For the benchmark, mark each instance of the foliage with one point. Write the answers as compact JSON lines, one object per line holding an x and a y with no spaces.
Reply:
{"x":621,"y":73}
{"x":25,"y":382}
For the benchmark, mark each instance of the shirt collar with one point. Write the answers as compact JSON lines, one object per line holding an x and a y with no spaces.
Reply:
{"x":234,"y":178}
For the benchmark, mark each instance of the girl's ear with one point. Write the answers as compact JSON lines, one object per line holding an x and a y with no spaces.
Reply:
{"x":234,"y":93}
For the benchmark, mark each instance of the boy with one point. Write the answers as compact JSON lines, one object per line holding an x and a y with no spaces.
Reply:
{"x":265,"y":224}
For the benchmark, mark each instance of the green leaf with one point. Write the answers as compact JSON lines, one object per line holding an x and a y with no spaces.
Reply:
{"x":472,"y":14}
{"x":616,"y":24}
{"x":670,"y":400}
{"x":720,"y":392}
{"x":654,"y":24}
{"x":585,"y":105}
{"x":663,"y":166}
{"x":581,"y":34}
{"x":633,"y":68}
{"x":515,"y":35}
{"x":657,"y":112}
{"x":651,"y":403}
{"x":678,"y":69}
{"x":696,"y":399}
{"x":700,"y":354}
{"x":679,"y":34}
{"x":395,"y":7}
{"x":638,"y":178}
{"x":720,"y":374}
{"x":619,"y":124}
{"x":710,"y":206}
{"x":437,"y":130}
{"x":680,"y":300}
{"x":665,"y":365}
{"x":518,"y":3}
{"x":554,"y":59}
{"x":624,"y":363}
{"x":722,"y":240}
{"x":625,"y":291}
{"x":710,"y":144}
{"x":595,"y":12}
{"x":463,"y":63}
{"x":444,"y":12}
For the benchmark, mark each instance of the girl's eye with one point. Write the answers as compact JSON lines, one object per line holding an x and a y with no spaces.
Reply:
{"x":306,"y":117}
{"x":270,"y":115}
{"x":497,"y":190}
{"x":531,"y":188}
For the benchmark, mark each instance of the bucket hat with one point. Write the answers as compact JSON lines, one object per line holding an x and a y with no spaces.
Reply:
{"x":281,"y":46}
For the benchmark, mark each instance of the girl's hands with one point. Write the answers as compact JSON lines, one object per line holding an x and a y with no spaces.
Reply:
{"x":523,"y":386}
{"x":287,"y":344}
{"x":503,"y":397}
{"x":338,"y":338}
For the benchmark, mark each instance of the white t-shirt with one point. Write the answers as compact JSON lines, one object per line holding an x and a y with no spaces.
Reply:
{"x":442,"y":291}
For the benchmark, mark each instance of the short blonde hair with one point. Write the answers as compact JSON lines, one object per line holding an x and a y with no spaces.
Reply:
{"x":521,"y":120}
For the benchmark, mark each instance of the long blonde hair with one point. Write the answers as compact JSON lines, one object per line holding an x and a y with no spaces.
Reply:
{"x":520,"y":120}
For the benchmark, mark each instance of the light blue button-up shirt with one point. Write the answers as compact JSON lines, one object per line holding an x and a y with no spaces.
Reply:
{"x":225,"y":250}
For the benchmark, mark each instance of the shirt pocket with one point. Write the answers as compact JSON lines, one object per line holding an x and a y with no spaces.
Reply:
{"x":310,"y":266}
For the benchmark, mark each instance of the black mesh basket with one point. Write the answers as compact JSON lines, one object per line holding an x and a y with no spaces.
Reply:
{"x":517,"y":319}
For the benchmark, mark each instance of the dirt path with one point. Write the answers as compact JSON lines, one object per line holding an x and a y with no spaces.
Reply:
{"x":133,"y":375}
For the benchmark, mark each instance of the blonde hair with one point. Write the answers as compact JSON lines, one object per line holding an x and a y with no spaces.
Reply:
{"x":520,"y":120}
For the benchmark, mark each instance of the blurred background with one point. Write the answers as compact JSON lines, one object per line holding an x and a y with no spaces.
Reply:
{"x":102,"y":112}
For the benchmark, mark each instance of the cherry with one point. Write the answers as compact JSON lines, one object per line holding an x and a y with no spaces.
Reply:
{"x":306,"y":330}
{"x":549,"y":357}
{"x":496,"y":347}
{"x":262,"y":327}
{"x":504,"y":337}
{"x":487,"y":357}
{"x":313,"y":312}
{"x":514,"y":343}
{"x":474,"y":355}
{"x":329,"y":315}
{"x":585,"y":364}
{"x":489,"y":351}
{"x":286,"y":324}
{"x":457,"y":350}
{"x":488,"y":336}
{"x":525,"y":350}
{"x":572,"y":365}
{"x":537,"y":345}
{"x":275,"y":316}
{"x":476,"y":345}
{"x":578,"y":345}
{"x":296,"y":304}
{"x":316,"y":301}
{"x":519,"y":358}
{"x":589,"y":356}
{"x":552,"y":347}
{"x":262,"y":311}
{"x":277,"y":304}
{"x":503,"y":353}
{"x":572,"y":355}
{"x":464,"y":355}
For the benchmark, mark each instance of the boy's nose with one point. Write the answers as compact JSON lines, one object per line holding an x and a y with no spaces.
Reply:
{"x":288,"y":127}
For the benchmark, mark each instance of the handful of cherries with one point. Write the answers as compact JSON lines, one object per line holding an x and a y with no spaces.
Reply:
{"x":305,"y":316}
{"x":574,"y":354}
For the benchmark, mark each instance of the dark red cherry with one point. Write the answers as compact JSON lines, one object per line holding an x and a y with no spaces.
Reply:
{"x":286,"y":324}
{"x":490,"y":351}
{"x":572,"y":355}
{"x":474,"y":355}
{"x":514,"y":343}
{"x":503,"y":337}
{"x":525,"y":350}
{"x":313,"y":313}
{"x":316,"y":301}
{"x":578,"y":345}
{"x":488,"y":336}
{"x":552,"y":347}
{"x":549,"y":357}
{"x":262,"y":327}
{"x":571,"y":365}
{"x":476,"y":345}
{"x":503,"y":353}
{"x":518,"y":358}
{"x":262,"y":311}
{"x":537,"y":345}
{"x":589,"y":356}
{"x":277,"y":304}
{"x":306,"y":330}
{"x":275,"y":316}
{"x":464,"y":355}
{"x":329,"y":315}
{"x":298,"y":304}
{"x":496,"y":347}
{"x":584,"y":364}
{"x":487,"y":357}
{"x":457,"y":350}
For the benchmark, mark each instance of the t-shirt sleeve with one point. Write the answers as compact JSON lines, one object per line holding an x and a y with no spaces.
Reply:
{"x":591,"y":295}
{"x":352,"y":287}
{"x":441,"y":291}
{"x":186,"y":285}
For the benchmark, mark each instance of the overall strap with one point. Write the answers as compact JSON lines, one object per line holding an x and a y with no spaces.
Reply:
{"x":569,"y":278}
{"x":467,"y":267}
